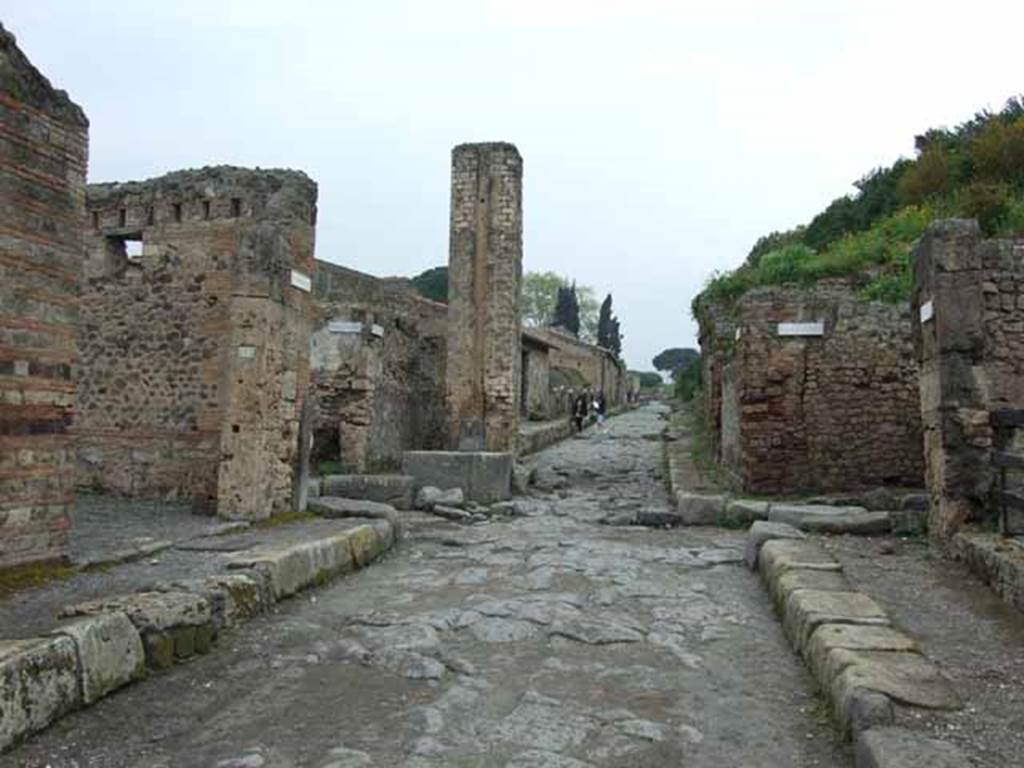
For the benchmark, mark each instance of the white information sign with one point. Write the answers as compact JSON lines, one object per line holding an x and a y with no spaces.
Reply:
{"x":377,"y":330}
{"x":927,"y":311}
{"x":246,"y":352}
{"x":301,"y":281}
{"x":801,"y":329}
{"x":344,"y":326}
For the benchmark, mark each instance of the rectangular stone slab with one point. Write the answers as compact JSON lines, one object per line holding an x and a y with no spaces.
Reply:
{"x":38,"y":684}
{"x":781,"y":555}
{"x":894,"y":747}
{"x":905,"y":677}
{"x":109,"y":650}
{"x":763,"y":531}
{"x":298,"y":566}
{"x":484,"y":477}
{"x":395,"y":490}
{"x":807,"y":609}
{"x":801,"y":578}
{"x":828,"y":637}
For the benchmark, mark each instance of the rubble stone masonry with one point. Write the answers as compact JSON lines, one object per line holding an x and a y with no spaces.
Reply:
{"x":196,"y":316}
{"x":485,"y":273}
{"x":43,"y":157}
{"x":968,"y":301}
{"x":378,"y":370}
{"x":819,"y":412}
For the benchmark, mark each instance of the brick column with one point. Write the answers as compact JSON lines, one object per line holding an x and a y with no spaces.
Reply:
{"x":485,"y":272}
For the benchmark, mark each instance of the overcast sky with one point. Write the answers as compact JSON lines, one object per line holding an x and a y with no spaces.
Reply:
{"x":660,"y":137}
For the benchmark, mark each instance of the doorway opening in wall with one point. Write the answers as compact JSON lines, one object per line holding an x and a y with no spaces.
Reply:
{"x":128,"y":246}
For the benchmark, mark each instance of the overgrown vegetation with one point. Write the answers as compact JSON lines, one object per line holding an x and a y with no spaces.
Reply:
{"x":433,"y":284}
{"x":975,"y":170}
{"x":22,"y":577}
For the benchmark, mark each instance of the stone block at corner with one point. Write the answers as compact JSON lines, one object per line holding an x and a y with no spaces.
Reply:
{"x":366,"y":544}
{"x":38,"y":684}
{"x":744,"y":512}
{"x":762,"y":531}
{"x":781,"y":555}
{"x":110,"y":652}
{"x":298,"y":566}
{"x":699,"y":508}
{"x":893,"y":747}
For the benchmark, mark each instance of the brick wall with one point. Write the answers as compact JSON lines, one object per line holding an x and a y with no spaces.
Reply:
{"x":485,"y":272}
{"x":194,"y":351}
{"x":378,"y":370}
{"x":817,"y":413}
{"x":43,"y":156}
{"x":969,"y":308}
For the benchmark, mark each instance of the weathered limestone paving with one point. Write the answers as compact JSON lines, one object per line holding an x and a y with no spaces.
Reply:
{"x":485,"y":266}
{"x":196,"y":316}
{"x":549,"y":638}
{"x":43,"y":156}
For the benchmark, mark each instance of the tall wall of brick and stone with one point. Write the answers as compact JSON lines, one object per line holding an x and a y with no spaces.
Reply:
{"x":968,"y":302}
{"x":378,"y":361}
{"x":824,"y":412}
{"x":196,"y":319}
{"x":717,"y":343}
{"x":43,"y":157}
{"x":596,"y":365}
{"x":484,"y":277}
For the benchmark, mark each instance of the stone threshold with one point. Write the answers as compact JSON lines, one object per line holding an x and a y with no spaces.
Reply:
{"x":866,"y":668}
{"x":108,"y":643}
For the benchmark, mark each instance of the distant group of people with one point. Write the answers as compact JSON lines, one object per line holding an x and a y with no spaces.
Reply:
{"x":587,"y":407}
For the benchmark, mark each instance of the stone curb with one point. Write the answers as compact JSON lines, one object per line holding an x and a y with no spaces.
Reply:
{"x":110,"y":642}
{"x":861,"y":663}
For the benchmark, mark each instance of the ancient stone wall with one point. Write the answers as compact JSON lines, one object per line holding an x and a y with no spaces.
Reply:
{"x":968,"y":302}
{"x":537,"y":401}
{"x":378,"y":370}
{"x":717,"y":344}
{"x":196,"y":316}
{"x":830,"y":408}
{"x":485,"y":272}
{"x":44,"y":151}
{"x":597,"y":366}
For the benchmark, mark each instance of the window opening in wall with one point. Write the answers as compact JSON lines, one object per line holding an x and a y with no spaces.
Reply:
{"x":206,"y":209}
{"x":122,"y":217}
{"x":126,"y":246}
{"x":236,"y":206}
{"x":177,"y":213}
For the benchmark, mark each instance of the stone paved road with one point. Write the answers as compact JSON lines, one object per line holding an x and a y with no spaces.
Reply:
{"x":547,"y":641}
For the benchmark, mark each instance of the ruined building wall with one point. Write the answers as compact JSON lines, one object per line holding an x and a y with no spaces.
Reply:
{"x":536,"y":398}
{"x":595,"y":364}
{"x":717,"y":343}
{"x":968,"y":301}
{"x":824,"y":412}
{"x":378,"y":370}
{"x":485,"y":272}
{"x":194,"y":352}
{"x":44,"y":150}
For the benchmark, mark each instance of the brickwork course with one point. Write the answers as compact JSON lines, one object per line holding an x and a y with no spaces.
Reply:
{"x":196,"y":316}
{"x":968,"y":304}
{"x":485,"y":271}
{"x":829,"y":412}
{"x":44,"y":152}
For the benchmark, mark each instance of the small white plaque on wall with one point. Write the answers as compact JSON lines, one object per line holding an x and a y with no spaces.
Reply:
{"x":801,"y":329}
{"x":344,"y":326}
{"x":301,"y":281}
{"x":246,"y":352}
{"x":927,"y":311}
{"x":377,"y":330}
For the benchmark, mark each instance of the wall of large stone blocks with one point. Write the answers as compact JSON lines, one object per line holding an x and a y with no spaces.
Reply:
{"x":378,"y":355}
{"x":820,"y":413}
{"x":43,"y":157}
{"x":196,"y":315}
{"x":484,"y":277}
{"x":597,"y":366}
{"x":968,"y":301}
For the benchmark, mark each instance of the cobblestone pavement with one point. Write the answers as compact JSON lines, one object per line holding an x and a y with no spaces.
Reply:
{"x":547,"y":641}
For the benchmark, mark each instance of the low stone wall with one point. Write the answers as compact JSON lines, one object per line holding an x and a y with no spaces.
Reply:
{"x":535,"y":436}
{"x":378,"y":370}
{"x":817,"y":390}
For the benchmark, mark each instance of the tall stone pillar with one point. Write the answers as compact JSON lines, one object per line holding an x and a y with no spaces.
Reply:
{"x":485,"y":266}
{"x":42,"y":189}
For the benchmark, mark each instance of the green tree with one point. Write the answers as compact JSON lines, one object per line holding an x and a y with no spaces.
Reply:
{"x":540,"y":291}
{"x":675,"y":359}
{"x":604,"y":323}
{"x":567,"y":309}
{"x":433,"y":283}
